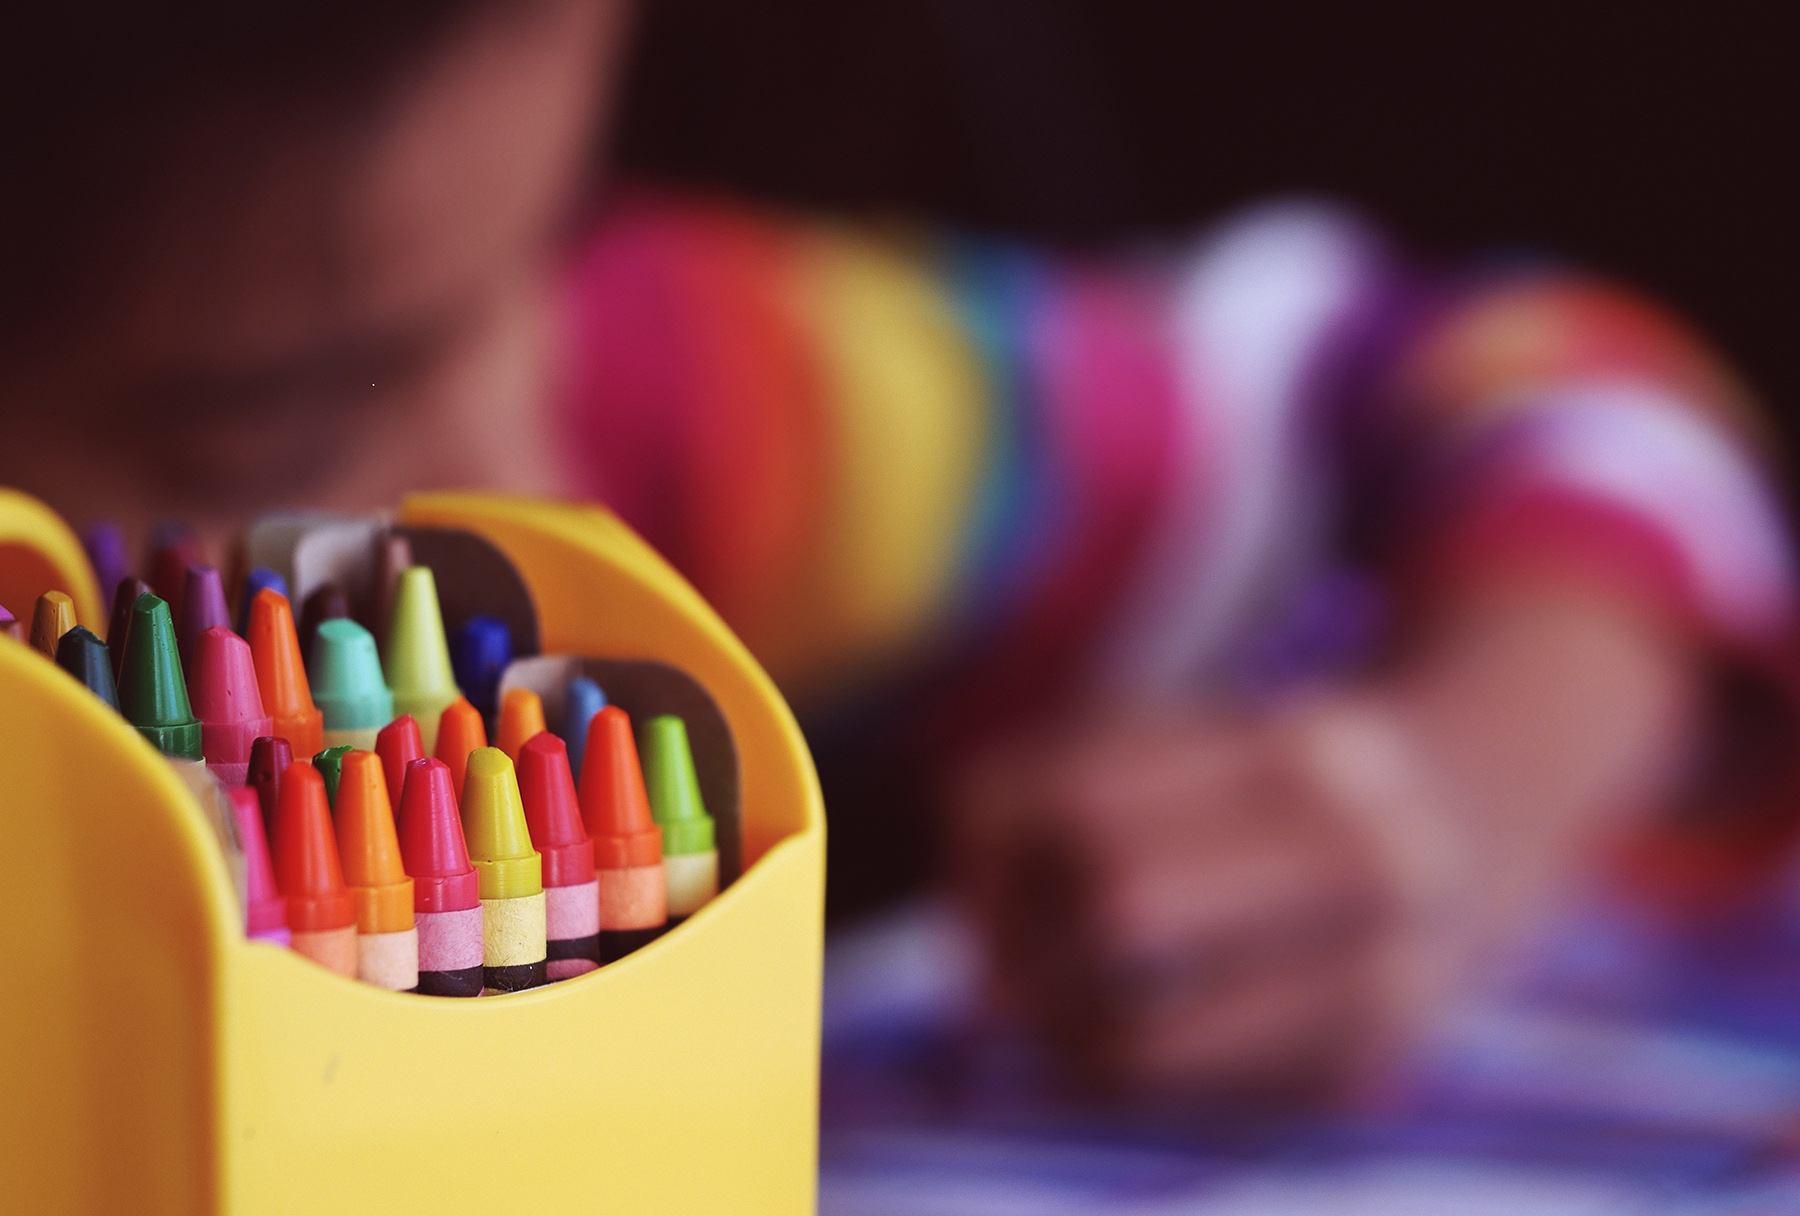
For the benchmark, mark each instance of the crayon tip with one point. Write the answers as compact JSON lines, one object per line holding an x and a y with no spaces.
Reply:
{"x":202,"y":607}
{"x":330,"y":764}
{"x":265,"y":912}
{"x":173,"y":548}
{"x":9,"y":624}
{"x":85,"y":657}
{"x":674,"y":787}
{"x":119,"y":623}
{"x":493,"y":818}
{"x":53,"y":617}
{"x":521,"y":718}
{"x":370,"y":847}
{"x":460,"y":731}
{"x":307,"y":869}
{"x":282,"y":676}
{"x":614,"y":803}
{"x":417,"y":659}
{"x":347,"y":684}
{"x":581,"y":701}
{"x":398,"y":745}
{"x":329,"y":602}
{"x":479,"y":654}
{"x":260,"y":579}
{"x":269,"y":758}
{"x":105,"y":546}
{"x":552,"y":812}
{"x":152,"y":694}
{"x":222,"y":689}
{"x":431,"y":841}
{"x":393,"y":553}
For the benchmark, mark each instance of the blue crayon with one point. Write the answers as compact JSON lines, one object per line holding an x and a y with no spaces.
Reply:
{"x":255,"y":581}
{"x":105,"y":546}
{"x":581,"y":701}
{"x":479,"y":653}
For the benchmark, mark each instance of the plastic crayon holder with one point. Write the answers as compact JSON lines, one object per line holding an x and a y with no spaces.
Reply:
{"x":175,"y":1065}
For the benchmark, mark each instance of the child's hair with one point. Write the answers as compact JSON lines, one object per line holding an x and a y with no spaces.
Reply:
{"x":102,"y":102}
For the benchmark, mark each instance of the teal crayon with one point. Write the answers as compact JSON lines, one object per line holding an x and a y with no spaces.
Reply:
{"x":347,"y":684}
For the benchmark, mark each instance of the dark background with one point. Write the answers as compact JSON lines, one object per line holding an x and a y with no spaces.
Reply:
{"x":1654,"y":149}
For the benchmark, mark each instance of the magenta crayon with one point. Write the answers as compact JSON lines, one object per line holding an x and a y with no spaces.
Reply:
{"x":105,"y":546}
{"x":571,"y":888}
{"x":269,"y":758}
{"x":398,"y":745}
{"x":265,"y":911}
{"x":202,"y":607}
{"x":321,"y":911}
{"x":223,"y":692}
{"x":326,"y":603}
{"x":119,"y":624}
{"x":173,"y":548}
{"x":9,"y":625}
{"x":446,"y":889}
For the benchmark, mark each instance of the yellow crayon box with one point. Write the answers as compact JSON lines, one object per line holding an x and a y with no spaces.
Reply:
{"x":154,"y":1059}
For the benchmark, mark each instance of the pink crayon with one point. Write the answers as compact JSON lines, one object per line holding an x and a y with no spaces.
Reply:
{"x":222,"y":689}
{"x":202,"y":607}
{"x":266,"y":915}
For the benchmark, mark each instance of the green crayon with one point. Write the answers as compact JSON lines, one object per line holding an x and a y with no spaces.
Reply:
{"x":417,"y":658}
{"x":347,"y":685}
{"x":330,"y":764}
{"x":690,"y":855}
{"x":152,"y":694}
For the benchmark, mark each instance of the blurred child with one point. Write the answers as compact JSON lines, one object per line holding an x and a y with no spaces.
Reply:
{"x":1301,"y":621}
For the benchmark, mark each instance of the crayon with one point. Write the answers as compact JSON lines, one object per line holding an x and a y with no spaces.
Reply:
{"x":330,"y":764}
{"x":347,"y":684}
{"x":446,"y":889}
{"x":265,"y":913}
{"x":269,"y":758}
{"x":119,"y":623}
{"x":417,"y":659}
{"x":628,"y":848}
{"x":690,"y":856}
{"x":84,"y":656}
{"x":460,"y":731}
{"x":328,"y":602}
{"x":321,"y":911}
{"x":152,"y":695}
{"x":53,"y":617}
{"x":9,"y":624}
{"x":282,"y":676}
{"x":173,"y":548}
{"x":514,"y":945}
{"x":581,"y":701}
{"x":387,"y":939}
{"x":202,"y":607}
{"x":521,"y":718}
{"x":479,"y":653}
{"x":571,"y":887}
{"x":393,"y":553}
{"x":222,"y":689}
{"x":398,"y":745}
{"x":260,"y":579}
{"x":105,"y":546}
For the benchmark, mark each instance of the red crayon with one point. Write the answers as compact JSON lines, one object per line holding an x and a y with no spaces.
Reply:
{"x":571,"y":889}
{"x":321,"y":910}
{"x":398,"y":744}
{"x":222,"y":690}
{"x":266,"y":914}
{"x":202,"y":607}
{"x":124,"y":596}
{"x":269,"y":758}
{"x":173,"y":548}
{"x":446,"y":889}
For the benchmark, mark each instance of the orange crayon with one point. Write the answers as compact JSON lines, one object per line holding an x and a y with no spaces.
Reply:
{"x":387,"y":941}
{"x":628,"y":858}
{"x":460,"y":731}
{"x":521,"y":719}
{"x":281,"y":676}
{"x":321,"y":910}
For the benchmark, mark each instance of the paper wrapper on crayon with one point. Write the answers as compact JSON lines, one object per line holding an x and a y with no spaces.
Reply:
{"x":572,"y":929}
{"x":333,"y":949}
{"x":450,"y":952}
{"x":389,"y":960}
{"x":513,"y":943}
{"x":634,"y":898}
{"x":693,"y":881}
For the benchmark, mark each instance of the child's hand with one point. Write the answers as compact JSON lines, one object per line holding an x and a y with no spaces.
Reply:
{"x":1276,"y":906}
